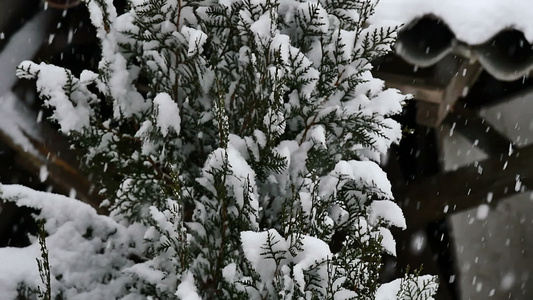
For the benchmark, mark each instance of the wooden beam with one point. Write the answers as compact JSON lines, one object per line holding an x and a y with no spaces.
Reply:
{"x":63,"y":4}
{"x":421,"y":89}
{"x":488,"y":181}
{"x":479,"y":131}
{"x":466,"y":75}
{"x":438,"y":92}
{"x":63,"y":175}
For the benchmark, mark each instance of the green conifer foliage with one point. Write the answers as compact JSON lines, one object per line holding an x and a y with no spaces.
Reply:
{"x":241,"y":139}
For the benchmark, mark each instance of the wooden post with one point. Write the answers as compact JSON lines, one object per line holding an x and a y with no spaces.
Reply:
{"x":63,"y":4}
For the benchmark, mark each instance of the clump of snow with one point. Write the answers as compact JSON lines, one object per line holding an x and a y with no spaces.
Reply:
{"x":387,"y":241}
{"x":241,"y":178}
{"x":147,"y":273}
{"x":187,"y":289}
{"x":168,"y":114}
{"x":252,"y":245}
{"x":18,"y":265}
{"x":362,"y":172}
{"x":196,"y":39}
{"x":268,"y":252}
{"x":388,"y":291}
{"x":262,"y":29}
{"x":73,"y":113}
{"x":313,"y":250}
{"x":317,"y":134}
{"x":403,"y":288}
{"x":229,"y":272}
{"x":388,"y":211}
{"x":118,"y":80}
{"x":87,"y":77}
{"x":82,"y":246}
{"x":148,"y":146}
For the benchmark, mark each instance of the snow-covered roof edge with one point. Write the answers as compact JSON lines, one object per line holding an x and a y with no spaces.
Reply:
{"x":472,"y":21}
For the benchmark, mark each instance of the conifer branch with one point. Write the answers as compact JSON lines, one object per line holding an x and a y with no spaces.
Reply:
{"x":249,"y":156}
{"x":44,"y":264}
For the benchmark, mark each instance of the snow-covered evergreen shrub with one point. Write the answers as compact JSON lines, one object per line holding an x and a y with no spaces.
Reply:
{"x":237,"y":143}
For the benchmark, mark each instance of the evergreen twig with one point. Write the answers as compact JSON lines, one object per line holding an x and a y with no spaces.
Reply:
{"x":43,"y":263}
